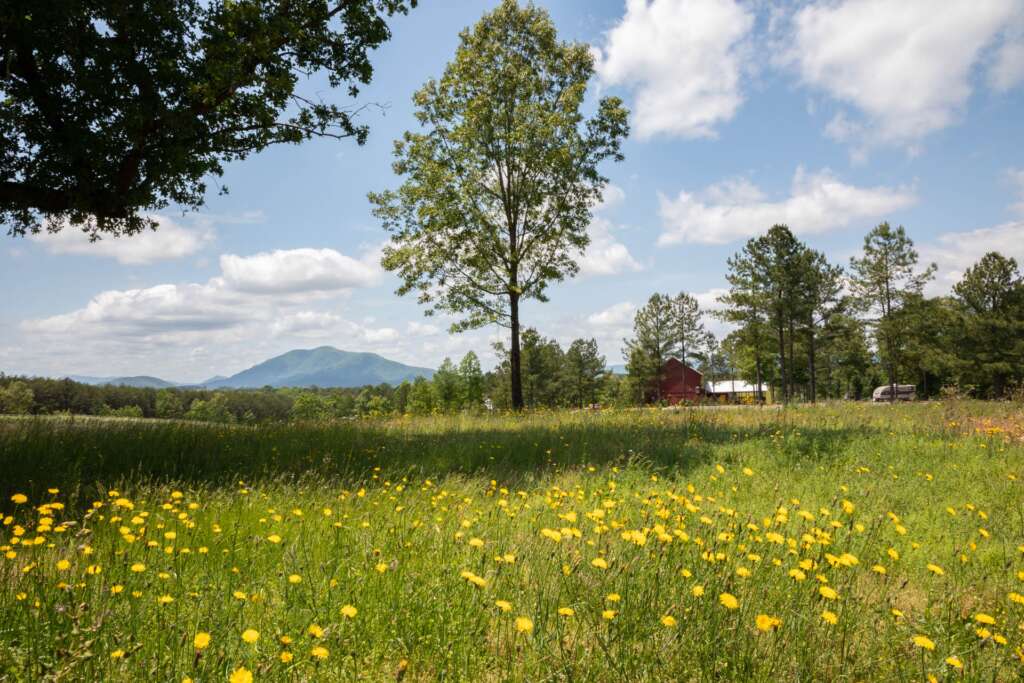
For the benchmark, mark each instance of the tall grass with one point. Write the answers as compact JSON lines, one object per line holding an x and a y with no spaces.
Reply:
{"x":458,"y":540}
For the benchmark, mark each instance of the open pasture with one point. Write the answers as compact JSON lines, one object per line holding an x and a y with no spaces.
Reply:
{"x":839,"y":542}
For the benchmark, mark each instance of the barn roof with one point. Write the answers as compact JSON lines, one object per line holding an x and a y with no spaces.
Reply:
{"x":729,"y":386}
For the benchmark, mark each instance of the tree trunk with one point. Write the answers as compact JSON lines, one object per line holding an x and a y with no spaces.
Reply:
{"x":782,"y":362}
{"x":514,"y":355}
{"x":757,"y":367}
{"x":811,"y":368}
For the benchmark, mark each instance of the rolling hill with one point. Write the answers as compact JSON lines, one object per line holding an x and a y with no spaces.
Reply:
{"x":324,"y":366}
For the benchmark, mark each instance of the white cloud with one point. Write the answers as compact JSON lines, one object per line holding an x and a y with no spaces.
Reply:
{"x":297,"y":270}
{"x":606,"y":255}
{"x":955,"y":252}
{"x":170,"y":240}
{"x":906,"y":67}
{"x":683,"y":59}
{"x":614,"y":316}
{"x":736,"y":209}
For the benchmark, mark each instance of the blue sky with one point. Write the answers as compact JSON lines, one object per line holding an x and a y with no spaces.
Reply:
{"x":829,"y":116}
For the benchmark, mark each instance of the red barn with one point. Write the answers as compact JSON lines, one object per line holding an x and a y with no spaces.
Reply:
{"x":679,"y":382}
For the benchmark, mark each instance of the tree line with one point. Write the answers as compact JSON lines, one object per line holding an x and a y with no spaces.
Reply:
{"x":809,"y":328}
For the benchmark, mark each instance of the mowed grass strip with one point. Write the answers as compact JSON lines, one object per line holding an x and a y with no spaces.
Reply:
{"x":839,"y":542}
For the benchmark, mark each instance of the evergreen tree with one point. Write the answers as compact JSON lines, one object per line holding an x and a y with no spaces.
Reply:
{"x":655,"y":339}
{"x":472,"y":382}
{"x":447,"y":387}
{"x":583,"y":372}
{"x":991,"y":295}
{"x":883,"y":280}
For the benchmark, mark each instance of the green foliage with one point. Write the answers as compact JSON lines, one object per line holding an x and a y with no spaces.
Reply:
{"x":583,"y":372}
{"x":16,"y":398}
{"x":114,"y":108}
{"x":496,"y":196}
{"x":447,"y":387}
{"x":213,"y":410}
{"x":471,"y":379}
{"x":991,"y":295}
{"x":421,"y":397}
{"x":884,"y":281}
{"x":168,"y":404}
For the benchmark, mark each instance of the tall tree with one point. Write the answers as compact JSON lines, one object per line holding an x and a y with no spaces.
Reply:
{"x":991,"y":294}
{"x":497,"y":194}
{"x":447,"y":386}
{"x":654,"y":341}
{"x":822,"y":287}
{"x":765,"y":285}
{"x":883,"y":280}
{"x":583,"y":371}
{"x":472,"y":381}
{"x":689,"y":325}
{"x":112,"y":108}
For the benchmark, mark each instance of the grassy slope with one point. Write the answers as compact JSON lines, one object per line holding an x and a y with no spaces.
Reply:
{"x":675,"y":482}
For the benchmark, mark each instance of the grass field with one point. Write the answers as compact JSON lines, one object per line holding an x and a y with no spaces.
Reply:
{"x":840,"y":542}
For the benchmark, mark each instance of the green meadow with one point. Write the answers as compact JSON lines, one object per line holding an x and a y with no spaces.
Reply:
{"x":840,"y":542}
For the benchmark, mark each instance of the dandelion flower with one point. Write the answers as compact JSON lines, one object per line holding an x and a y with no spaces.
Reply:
{"x":201,"y":641}
{"x":315,"y":631}
{"x":613,"y":597}
{"x":240,"y":675}
{"x":608,"y":614}
{"x":924,"y":642}
{"x":828,"y":593}
{"x":697,"y":591}
{"x":138,"y":567}
{"x":63,"y":565}
{"x":983,"y":618}
{"x":566,"y":611}
{"x":599,"y":562}
{"x":250,"y":635}
{"x":524,"y":625}
{"x":1017,"y":598}
{"x":19,"y":499}
{"x":668,"y":620}
{"x":273,"y":538}
{"x":117,"y":654}
{"x":954,"y":662}
{"x":294,"y":578}
{"x":320,"y":652}
{"x":165,"y":600}
{"x":766,"y":622}
{"x":503,"y":605}
{"x":830,"y":617}
{"x":349,"y":611}
{"x":286,"y":657}
{"x":729,"y":601}
{"x":936,"y":569}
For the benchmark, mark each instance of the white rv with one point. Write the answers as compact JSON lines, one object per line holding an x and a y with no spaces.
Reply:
{"x":904,"y":392}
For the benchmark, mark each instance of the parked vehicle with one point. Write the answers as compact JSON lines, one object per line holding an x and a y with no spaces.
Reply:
{"x":904,"y":392}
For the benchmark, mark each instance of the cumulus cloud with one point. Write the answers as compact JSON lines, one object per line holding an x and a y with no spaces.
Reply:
{"x":683,"y":59}
{"x":297,"y":270}
{"x":737,"y":209}
{"x":169,"y":241}
{"x":606,"y":255}
{"x":613,"y":316}
{"x":955,"y":252}
{"x":905,"y":68}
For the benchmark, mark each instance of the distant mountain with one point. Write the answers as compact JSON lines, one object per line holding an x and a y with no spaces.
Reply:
{"x":209,"y":382}
{"x":139,"y":381}
{"x":325,"y":366}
